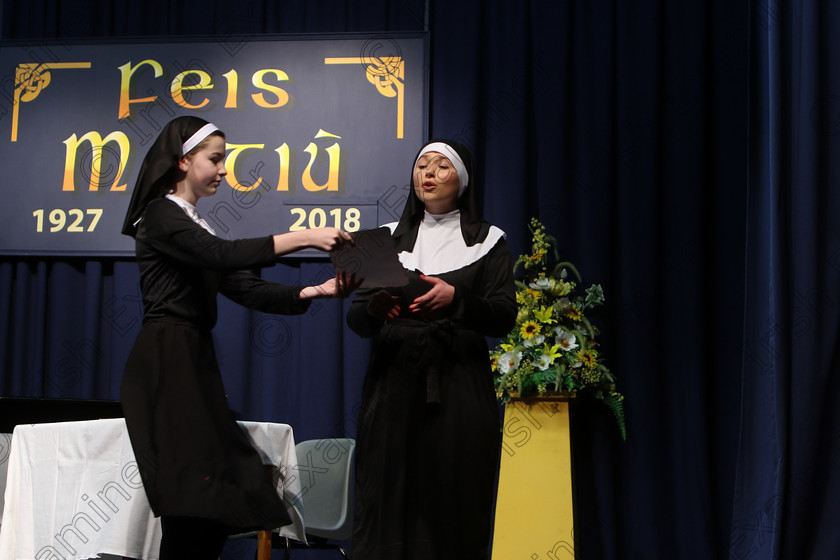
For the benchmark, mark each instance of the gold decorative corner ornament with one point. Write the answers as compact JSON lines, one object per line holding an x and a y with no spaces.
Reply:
{"x":387,"y":74}
{"x":30,"y":79}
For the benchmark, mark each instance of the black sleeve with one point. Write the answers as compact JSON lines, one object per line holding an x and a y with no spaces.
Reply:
{"x":166,"y":228}
{"x":358,"y":319}
{"x":254,"y":292}
{"x":490,"y":308}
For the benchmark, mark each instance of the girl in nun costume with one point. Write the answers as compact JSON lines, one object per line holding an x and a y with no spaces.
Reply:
{"x":199,"y":471}
{"x":428,"y":430}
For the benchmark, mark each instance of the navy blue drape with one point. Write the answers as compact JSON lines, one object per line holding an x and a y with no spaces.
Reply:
{"x":788,"y":469}
{"x":684,"y":153}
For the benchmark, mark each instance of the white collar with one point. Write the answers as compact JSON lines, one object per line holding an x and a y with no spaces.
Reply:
{"x":447,"y":219}
{"x":440,"y":245}
{"x":190,"y":211}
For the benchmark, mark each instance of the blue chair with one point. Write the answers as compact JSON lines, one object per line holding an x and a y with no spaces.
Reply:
{"x":325,"y":468}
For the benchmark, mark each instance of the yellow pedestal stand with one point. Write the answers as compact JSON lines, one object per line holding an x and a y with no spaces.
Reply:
{"x":534,"y":507}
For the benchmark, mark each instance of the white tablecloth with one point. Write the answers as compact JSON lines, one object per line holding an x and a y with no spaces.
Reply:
{"x":73,"y":491}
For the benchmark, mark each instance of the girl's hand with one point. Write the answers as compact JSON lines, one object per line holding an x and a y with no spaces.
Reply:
{"x":339,"y":287}
{"x":383,"y":306}
{"x":437,"y":298}
{"x":323,"y":239}
{"x":328,"y":238}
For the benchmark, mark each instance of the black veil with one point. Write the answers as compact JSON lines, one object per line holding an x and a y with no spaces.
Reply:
{"x":158,"y":170}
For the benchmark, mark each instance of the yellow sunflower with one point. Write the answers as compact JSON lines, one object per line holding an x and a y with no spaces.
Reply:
{"x":573,"y":313}
{"x":529,"y":329}
{"x":589,"y":358}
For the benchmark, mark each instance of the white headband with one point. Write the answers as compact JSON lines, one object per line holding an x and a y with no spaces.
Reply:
{"x":446,"y":149}
{"x":196,"y":138}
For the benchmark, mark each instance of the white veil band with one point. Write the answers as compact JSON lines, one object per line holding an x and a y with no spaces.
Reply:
{"x":446,"y":149}
{"x":196,"y":138}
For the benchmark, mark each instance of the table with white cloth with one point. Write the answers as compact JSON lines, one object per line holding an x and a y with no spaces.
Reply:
{"x":73,"y":491}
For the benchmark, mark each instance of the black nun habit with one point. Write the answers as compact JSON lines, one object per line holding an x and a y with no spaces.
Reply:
{"x":194,"y":459}
{"x":428,"y":428}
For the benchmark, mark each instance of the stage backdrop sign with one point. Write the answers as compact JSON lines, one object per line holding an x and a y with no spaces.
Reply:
{"x":321,"y":131}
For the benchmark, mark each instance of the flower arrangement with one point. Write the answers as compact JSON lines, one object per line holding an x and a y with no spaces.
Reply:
{"x":552,"y":347}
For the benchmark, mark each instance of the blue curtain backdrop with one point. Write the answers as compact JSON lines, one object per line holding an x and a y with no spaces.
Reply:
{"x":788,"y":468}
{"x":686,"y":156}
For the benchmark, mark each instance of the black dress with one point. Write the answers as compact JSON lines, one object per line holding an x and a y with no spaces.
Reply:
{"x":428,"y":431}
{"x":194,"y":459}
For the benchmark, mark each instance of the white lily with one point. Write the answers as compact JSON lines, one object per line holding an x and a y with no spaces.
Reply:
{"x":540,"y":284}
{"x":566,"y":340}
{"x":543,"y":362}
{"x":509,"y":361}
{"x":534,"y":341}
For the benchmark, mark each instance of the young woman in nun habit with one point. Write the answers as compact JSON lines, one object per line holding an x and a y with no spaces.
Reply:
{"x":428,"y":429}
{"x":200,"y":473}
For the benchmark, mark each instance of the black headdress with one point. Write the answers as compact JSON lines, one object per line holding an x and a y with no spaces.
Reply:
{"x":473,"y":228}
{"x":157,"y":172}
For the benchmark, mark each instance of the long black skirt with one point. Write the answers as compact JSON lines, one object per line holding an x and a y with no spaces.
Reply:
{"x":194,"y":459}
{"x":426,"y":459}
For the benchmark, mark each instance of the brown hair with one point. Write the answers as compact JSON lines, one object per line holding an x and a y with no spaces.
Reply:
{"x":203,"y":144}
